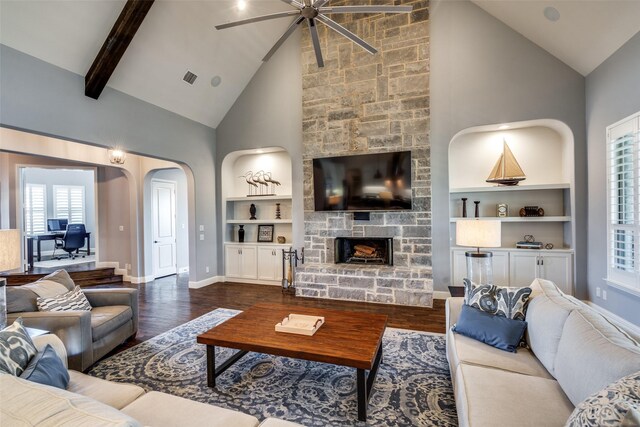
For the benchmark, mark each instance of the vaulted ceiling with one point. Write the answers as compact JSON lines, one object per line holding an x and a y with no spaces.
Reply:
{"x":179,"y":36}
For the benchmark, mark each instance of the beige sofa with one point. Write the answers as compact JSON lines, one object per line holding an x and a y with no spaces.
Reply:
{"x":574,"y":352}
{"x":90,"y":401}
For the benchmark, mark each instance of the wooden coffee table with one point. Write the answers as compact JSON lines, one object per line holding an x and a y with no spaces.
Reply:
{"x":347,"y":338}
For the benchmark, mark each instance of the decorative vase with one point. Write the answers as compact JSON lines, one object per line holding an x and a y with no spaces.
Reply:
{"x":252,"y":211}
{"x":241,"y":233}
{"x":464,"y":207}
{"x":278,"y":211}
{"x":477,"y":208}
{"x":282,"y":239}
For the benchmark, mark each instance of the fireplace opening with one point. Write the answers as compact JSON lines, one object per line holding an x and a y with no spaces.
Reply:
{"x":364,"y":250}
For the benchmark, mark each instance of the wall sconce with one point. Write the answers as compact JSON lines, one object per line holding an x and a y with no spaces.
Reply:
{"x":117,"y":156}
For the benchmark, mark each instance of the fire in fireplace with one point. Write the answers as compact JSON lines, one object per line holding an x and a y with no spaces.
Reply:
{"x":364,"y":250}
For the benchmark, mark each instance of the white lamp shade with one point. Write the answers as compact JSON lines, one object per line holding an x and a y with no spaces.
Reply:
{"x":478,"y":233}
{"x":10,"y":258}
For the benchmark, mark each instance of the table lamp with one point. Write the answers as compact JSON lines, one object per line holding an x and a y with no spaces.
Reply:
{"x":10,"y":259}
{"x":479,"y":233}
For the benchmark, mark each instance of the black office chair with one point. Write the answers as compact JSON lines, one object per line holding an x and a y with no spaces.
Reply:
{"x":72,"y":241}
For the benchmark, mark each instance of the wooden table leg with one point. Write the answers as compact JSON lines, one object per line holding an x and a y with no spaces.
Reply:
{"x":364,"y":385}
{"x":211,"y":365}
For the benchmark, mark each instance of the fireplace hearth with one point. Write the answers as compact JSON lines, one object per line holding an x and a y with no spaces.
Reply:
{"x":364,"y":250}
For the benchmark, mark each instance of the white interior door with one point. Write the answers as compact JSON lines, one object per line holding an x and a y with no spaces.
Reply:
{"x":164,"y":227}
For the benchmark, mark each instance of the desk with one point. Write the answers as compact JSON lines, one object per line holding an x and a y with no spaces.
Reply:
{"x":48,"y":236}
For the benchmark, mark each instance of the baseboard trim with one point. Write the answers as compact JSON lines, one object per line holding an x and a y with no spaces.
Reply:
{"x":183,"y":270}
{"x":624,"y":324}
{"x":441,"y":295}
{"x":139,"y":279}
{"x":206,"y":282}
{"x":253,"y":281}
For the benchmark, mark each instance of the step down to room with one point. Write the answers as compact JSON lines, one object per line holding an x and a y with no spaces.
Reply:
{"x":98,"y":276}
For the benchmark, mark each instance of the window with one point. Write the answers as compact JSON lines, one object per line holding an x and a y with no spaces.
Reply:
{"x":68,"y":203}
{"x":623,"y":166}
{"x":35,"y":208}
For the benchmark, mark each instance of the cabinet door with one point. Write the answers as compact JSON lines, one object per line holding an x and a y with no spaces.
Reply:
{"x":523,"y":268}
{"x":459,"y":267}
{"x":248,"y":265}
{"x":267,"y":263}
{"x":232,"y":261}
{"x":557,"y":268}
{"x":501,"y":268}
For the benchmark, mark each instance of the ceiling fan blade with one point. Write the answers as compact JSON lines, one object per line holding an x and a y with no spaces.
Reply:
{"x":346,"y":33}
{"x":258,"y":19}
{"x":284,"y":37}
{"x":316,"y":41}
{"x":294,"y":3}
{"x":320,"y":3}
{"x":367,"y":9}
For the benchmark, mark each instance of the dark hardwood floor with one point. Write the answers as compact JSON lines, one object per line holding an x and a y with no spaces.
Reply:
{"x":168,"y":302}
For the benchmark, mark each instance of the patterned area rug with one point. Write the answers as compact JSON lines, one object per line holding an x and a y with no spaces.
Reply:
{"x":413,"y":386}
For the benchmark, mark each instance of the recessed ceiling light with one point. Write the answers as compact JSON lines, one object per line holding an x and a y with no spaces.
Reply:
{"x":215,"y":81}
{"x":503,"y":127}
{"x":551,"y":13}
{"x":242,"y":4}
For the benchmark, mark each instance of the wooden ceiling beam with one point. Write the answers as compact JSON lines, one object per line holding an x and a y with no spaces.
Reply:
{"x":115,"y":45}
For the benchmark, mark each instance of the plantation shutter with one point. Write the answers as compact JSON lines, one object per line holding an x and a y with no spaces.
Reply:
{"x":35,"y":208}
{"x":68,"y":203}
{"x":623,"y":163}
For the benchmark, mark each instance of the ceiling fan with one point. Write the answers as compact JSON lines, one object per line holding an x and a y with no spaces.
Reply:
{"x":314,"y":12}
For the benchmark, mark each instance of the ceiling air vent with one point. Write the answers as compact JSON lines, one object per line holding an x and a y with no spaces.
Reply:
{"x":189,"y":77}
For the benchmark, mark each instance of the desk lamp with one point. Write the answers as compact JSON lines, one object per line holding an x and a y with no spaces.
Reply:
{"x":10,"y":259}
{"x":479,"y":233}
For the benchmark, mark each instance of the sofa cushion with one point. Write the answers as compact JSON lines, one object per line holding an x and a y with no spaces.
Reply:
{"x":593,"y":353}
{"x":461,"y":349}
{"x":21,"y":299}
{"x":25,"y":403}
{"x":546,"y":314}
{"x":503,"y":301}
{"x":614,"y":405}
{"x":47,"y":368}
{"x":62,"y":277}
{"x":16,"y":348}
{"x":481,"y":297}
{"x":116,"y":395}
{"x":497,"y":331}
{"x":156,"y":408}
{"x":105,"y":320}
{"x":494,"y":398}
{"x":70,"y":301}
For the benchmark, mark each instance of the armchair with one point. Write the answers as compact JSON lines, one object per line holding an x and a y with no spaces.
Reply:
{"x":87,"y":335}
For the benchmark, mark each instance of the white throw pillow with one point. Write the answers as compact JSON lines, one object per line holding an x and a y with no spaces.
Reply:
{"x":71,"y":301}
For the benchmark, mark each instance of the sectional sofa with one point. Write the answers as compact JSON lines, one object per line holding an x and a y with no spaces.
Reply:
{"x":573,"y":352}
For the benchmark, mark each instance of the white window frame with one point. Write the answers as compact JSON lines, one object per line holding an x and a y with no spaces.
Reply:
{"x":28,"y":209}
{"x":68,"y":215}
{"x":625,"y":279}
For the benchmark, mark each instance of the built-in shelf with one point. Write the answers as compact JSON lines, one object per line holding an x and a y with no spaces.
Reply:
{"x":523,"y":218}
{"x":513,"y":249}
{"x":510,"y":188}
{"x":259,"y":243}
{"x":258,"y":221}
{"x":259,"y":198}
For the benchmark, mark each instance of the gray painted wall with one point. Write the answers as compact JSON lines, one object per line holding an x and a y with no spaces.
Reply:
{"x":42,"y":98}
{"x":114,"y":209}
{"x":483,"y":72}
{"x":51,"y":177}
{"x":613,"y":93}
{"x":268,"y":113}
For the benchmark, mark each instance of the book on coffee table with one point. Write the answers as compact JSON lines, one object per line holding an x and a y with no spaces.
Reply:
{"x":300,"y":324}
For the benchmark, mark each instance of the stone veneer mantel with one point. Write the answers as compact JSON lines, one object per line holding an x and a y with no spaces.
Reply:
{"x":382,"y":284}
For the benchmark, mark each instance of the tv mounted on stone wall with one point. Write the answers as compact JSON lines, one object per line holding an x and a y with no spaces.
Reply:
{"x":365,"y":182}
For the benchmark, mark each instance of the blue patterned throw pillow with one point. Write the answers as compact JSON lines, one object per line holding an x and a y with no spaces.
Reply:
{"x":48,"y":369}
{"x":502,"y":301}
{"x":618,"y":404}
{"x":16,"y":348}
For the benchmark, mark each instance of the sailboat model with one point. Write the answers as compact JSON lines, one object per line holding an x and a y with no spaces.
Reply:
{"x":507,"y":171}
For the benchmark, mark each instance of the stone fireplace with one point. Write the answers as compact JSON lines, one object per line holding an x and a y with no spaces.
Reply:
{"x":361,"y":103}
{"x":363,"y":250}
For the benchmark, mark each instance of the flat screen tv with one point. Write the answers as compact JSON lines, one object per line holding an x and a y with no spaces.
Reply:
{"x":366,"y":182}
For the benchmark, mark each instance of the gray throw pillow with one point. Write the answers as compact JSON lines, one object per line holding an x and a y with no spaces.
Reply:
{"x":21,"y":299}
{"x":502,"y":301}
{"x":618,"y":404}
{"x":71,"y":301}
{"x":481,"y":297}
{"x":48,"y":369}
{"x":16,"y":348}
{"x":62,"y":277}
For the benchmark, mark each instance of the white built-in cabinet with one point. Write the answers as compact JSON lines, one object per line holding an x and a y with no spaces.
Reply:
{"x":545,"y":153}
{"x":252,"y":261}
{"x":518,"y":267}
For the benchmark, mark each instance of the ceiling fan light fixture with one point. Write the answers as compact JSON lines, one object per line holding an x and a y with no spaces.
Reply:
{"x":241,"y":4}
